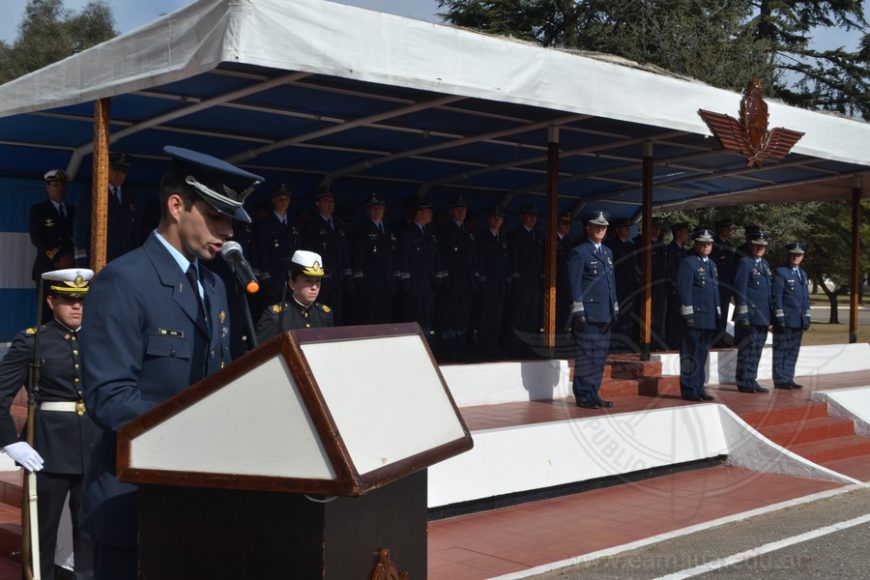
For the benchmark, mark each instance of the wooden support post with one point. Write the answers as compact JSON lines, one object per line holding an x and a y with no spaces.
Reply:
{"x":100,"y":185}
{"x":856,"y":254}
{"x":646,"y":253}
{"x":550,"y":321}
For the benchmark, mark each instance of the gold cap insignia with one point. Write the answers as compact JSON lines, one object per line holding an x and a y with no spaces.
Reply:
{"x":222,"y":315}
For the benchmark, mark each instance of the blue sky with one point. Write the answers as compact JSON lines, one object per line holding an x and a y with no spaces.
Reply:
{"x":130,"y":14}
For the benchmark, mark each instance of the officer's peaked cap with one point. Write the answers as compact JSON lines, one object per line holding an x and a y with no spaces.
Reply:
{"x":796,"y":248}
{"x":756,"y":237}
{"x":71,"y":282}
{"x":373,"y":199}
{"x":702,"y":235}
{"x":307,"y":263}
{"x":55,"y":175}
{"x":599,"y":218}
{"x":421,"y":203}
{"x":323,"y":191}
{"x":679,"y":226}
{"x":529,"y":208}
{"x":119,"y":161}
{"x":458,"y":201}
{"x":220,"y":184}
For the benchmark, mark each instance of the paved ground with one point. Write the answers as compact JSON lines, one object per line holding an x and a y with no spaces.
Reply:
{"x":785,"y":537}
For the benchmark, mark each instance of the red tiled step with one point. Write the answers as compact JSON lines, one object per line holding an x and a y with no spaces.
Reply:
{"x":658,"y":385}
{"x":832,"y":449}
{"x":807,"y":431}
{"x":633,"y":369}
{"x":10,"y":487}
{"x":10,"y":541}
{"x":784,"y":414}
{"x":618,"y":388}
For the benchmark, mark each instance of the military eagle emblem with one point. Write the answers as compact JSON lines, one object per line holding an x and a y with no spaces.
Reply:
{"x":749,"y":135}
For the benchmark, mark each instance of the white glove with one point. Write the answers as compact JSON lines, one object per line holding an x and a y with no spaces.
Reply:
{"x":25,"y":455}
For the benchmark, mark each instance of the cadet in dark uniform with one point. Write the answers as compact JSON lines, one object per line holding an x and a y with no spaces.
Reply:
{"x":323,"y":236}
{"x":564,"y":245}
{"x":51,"y":230}
{"x":659,"y":281}
{"x":456,"y":254}
{"x":122,"y":231}
{"x":725,"y":256}
{"x":676,"y":251}
{"x":372,"y":254}
{"x":526,"y":303}
{"x":626,"y":269}
{"x":593,"y":311}
{"x":157,"y":323}
{"x":64,"y":434}
{"x":275,"y":240}
{"x":420,"y":268}
{"x":753,"y":285}
{"x":791,"y":301}
{"x":301,"y":310}
{"x":698,"y":289}
{"x":493,"y":286}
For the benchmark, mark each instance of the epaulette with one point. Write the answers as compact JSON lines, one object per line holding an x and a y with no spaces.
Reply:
{"x":30,"y":331}
{"x":276,"y":308}
{"x":323,"y":307}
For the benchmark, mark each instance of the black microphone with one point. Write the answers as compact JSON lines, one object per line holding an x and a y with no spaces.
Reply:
{"x":232,"y":254}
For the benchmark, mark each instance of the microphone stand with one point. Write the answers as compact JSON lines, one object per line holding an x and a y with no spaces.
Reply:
{"x":249,"y":321}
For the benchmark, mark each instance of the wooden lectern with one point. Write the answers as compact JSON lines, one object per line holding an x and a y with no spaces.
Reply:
{"x":305,"y":458}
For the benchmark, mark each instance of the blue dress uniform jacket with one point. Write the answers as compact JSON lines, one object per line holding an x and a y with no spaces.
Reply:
{"x":144,"y":341}
{"x":274,"y":244}
{"x":64,"y":439}
{"x":372,"y":254}
{"x":593,"y":290}
{"x":752,"y":291}
{"x":330,"y":242}
{"x":52,"y":234}
{"x":698,"y":290}
{"x":791,"y":300}
{"x":593,"y":283}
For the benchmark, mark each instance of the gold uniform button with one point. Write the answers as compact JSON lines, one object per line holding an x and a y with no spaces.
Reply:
{"x":75,"y":352}
{"x":307,"y":326}
{"x":76,"y":380}
{"x":76,"y":365}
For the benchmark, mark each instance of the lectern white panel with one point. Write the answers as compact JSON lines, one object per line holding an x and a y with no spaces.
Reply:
{"x":385,"y":397}
{"x":255,"y":425}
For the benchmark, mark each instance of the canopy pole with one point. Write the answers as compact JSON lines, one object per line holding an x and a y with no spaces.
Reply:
{"x":550,"y":245}
{"x":856,"y":254}
{"x":100,"y":185}
{"x":646,"y":253}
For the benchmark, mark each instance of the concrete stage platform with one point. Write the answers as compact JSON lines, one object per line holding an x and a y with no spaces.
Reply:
{"x":774,"y":450}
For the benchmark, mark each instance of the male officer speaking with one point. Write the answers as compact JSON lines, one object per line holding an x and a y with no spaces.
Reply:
{"x":157,"y":322}
{"x":593,"y":311}
{"x":698,"y":289}
{"x":791,"y":301}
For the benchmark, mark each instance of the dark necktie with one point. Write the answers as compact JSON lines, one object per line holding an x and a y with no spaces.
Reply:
{"x":200,"y":313}
{"x":381,"y":228}
{"x":62,"y":209}
{"x":329,"y":221}
{"x":798,"y":274}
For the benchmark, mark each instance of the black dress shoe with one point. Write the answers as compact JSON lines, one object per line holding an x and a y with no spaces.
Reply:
{"x":761,"y":390}
{"x":591,"y":405}
{"x":786,"y":386}
{"x":746,"y":390}
{"x":691,"y":397}
{"x":796,"y":386}
{"x":605,"y":404}
{"x":708,"y":397}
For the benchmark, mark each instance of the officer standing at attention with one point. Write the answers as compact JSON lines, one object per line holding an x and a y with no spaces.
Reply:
{"x":526,"y":306}
{"x":725,"y":256}
{"x":51,"y":230}
{"x":791,"y":301}
{"x":323,"y":236}
{"x":157,"y":323}
{"x":275,"y":240}
{"x":456,"y":254}
{"x":627,"y":271}
{"x":493,"y":286}
{"x":676,"y":251}
{"x":753,"y":286}
{"x":419,"y":268}
{"x":64,"y":434}
{"x":593,"y":311}
{"x":122,"y":234}
{"x":301,"y":310}
{"x":698,"y":288}
{"x":564,"y":245}
{"x":372,"y":254}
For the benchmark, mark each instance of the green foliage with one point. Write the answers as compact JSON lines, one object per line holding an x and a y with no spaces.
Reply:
{"x":50,"y":33}
{"x":721,"y":42}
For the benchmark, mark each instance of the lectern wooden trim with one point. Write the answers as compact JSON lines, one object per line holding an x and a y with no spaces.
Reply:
{"x":348,"y":481}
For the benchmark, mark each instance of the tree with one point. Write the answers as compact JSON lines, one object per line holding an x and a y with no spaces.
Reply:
{"x":50,"y":33}
{"x":721,"y":42}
